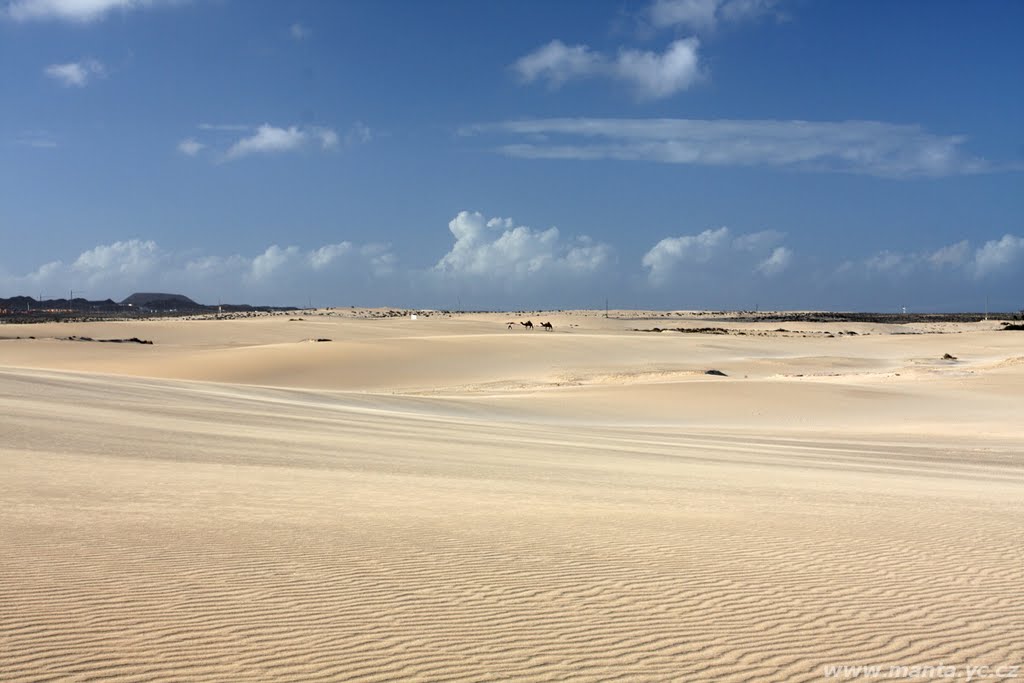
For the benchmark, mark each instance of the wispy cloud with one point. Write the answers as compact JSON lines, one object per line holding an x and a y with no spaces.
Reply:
{"x":75,"y":74}
{"x":232,"y":127}
{"x":299,"y":32}
{"x":705,"y":15}
{"x":190,"y":147}
{"x":82,"y":11}
{"x":358,"y":134}
{"x":866,"y":147}
{"x":651,"y":75}
{"x":39,"y":139}
{"x":268,"y":139}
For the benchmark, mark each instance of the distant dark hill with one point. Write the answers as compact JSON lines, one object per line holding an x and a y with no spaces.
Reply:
{"x":158,"y":301}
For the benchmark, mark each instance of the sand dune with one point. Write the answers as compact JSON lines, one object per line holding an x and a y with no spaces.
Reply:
{"x":445,"y":499}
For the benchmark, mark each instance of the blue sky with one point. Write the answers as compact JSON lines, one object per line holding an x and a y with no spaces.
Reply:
{"x":667,"y":153}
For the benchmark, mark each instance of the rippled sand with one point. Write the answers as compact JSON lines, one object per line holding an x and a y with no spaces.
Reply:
{"x":446,"y":499}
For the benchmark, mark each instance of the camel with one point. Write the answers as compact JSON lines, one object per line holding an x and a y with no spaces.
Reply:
{"x":511,"y":324}
{"x":547,"y":326}
{"x":528,"y":324}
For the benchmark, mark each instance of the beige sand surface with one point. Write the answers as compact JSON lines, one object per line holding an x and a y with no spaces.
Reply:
{"x":446,"y":499}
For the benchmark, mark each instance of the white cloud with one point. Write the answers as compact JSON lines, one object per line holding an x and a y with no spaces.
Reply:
{"x":270,"y":260}
{"x":756,"y":241}
{"x":887,"y":261}
{"x":776,"y":263}
{"x":498,"y":263}
{"x":705,"y":15}
{"x":130,"y":256}
{"x":327,"y":254}
{"x":664,"y":256}
{"x":190,"y":147}
{"x":328,"y":138}
{"x":999,"y":255}
{"x":992,"y":258}
{"x":299,"y":32}
{"x":656,"y":76}
{"x":75,"y":74}
{"x":866,"y":147}
{"x":73,"y":10}
{"x":112,"y":265}
{"x":281,"y":275}
{"x":268,"y":139}
{"x":557,"y":63}
{"x":716,"y":249}
{"x":952,"y":255}
{"x":499,"y":249}
{"x":649,"y":74}
{"x":693,"y":14}
{"x":379,"y":257}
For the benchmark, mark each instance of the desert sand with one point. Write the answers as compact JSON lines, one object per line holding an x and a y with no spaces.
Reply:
{"x":448,"y":499}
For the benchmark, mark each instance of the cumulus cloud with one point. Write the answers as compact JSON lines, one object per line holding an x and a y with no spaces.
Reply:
{"x":992,"y":258}
{"x":999,"y":255}
{"x":270,"y":260}
{"x":705,"y":15}
{"x":497,"y":262}
{"x":190,"y":147}
{"x":777,"y":262}
{"x":130,"y":258}
{"x":497,"y":248}
{"x":866,"y":147}
{"x":75,"y":74}
{"x":719,"y":249}
{"x":328,"y":254}
{"x":664,"y":256}
{"x":952,"y":255}
{"x":557,"y":63}
{"x":268,"y":139}
{"x":82,"y":11}
{"x":651,"y":75}
{"x":96,"y":270}
{"x":283,"y":275}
